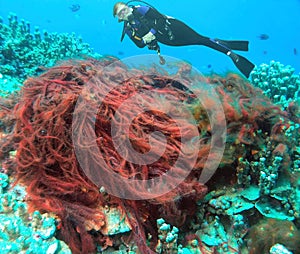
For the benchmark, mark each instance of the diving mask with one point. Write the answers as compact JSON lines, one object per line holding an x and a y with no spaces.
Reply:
{"x":124,"y":13}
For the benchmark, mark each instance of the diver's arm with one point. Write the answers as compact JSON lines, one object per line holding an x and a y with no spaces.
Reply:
{"x":147,"y":16}
{"x":141,"y":44}
{"x":153,"y":45}
{"x":153,"y":23}
{"x":137,"y":41}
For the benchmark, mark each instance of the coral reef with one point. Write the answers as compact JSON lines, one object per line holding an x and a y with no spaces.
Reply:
{"x":258,"y":174}
{"x":167,"y":236}
{"x":269,"y":232}
{"x":279,"y":249}
{"x":24,"y":232}
{"x":46,"y":161}
{"x":278,"y":82}
{"x":24,"y":53}
{"x":250,"y":205}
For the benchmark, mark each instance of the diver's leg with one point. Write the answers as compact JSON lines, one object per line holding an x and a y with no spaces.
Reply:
{"x":214,"y":44}
{"x":184,"y":35}
{"x":244,"y":65}
{"x":235,"y":44}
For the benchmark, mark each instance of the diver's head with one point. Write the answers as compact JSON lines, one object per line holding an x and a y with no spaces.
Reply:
{"x":122,"y":11}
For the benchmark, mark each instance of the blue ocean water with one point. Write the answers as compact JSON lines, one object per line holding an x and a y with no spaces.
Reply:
{"x":231,"y":19}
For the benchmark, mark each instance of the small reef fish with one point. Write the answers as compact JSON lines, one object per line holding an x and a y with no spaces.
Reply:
{"x":263,"y":37}
{"x":295,"y":51}
{"x":74,"y":7}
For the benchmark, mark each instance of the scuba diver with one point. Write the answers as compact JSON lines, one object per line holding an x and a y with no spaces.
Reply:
{"x":146,"y":26}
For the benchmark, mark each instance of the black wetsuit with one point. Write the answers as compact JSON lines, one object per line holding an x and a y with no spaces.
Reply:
{"x":173,"y":32}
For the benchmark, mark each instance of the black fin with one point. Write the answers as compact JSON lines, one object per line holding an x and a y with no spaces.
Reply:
{"x":243,"y":64}
{"x":235,"y":45}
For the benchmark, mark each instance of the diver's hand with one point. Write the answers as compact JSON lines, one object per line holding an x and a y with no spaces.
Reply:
{"x":153,"y":45}
{"x":148,"y":38}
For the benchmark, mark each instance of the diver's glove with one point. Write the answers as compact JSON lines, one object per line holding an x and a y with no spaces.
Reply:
{"x":149,"y":37}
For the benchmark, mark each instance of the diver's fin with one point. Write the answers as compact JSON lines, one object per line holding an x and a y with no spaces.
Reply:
{"x":234,"y":45}
{"x":243,"y":64}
